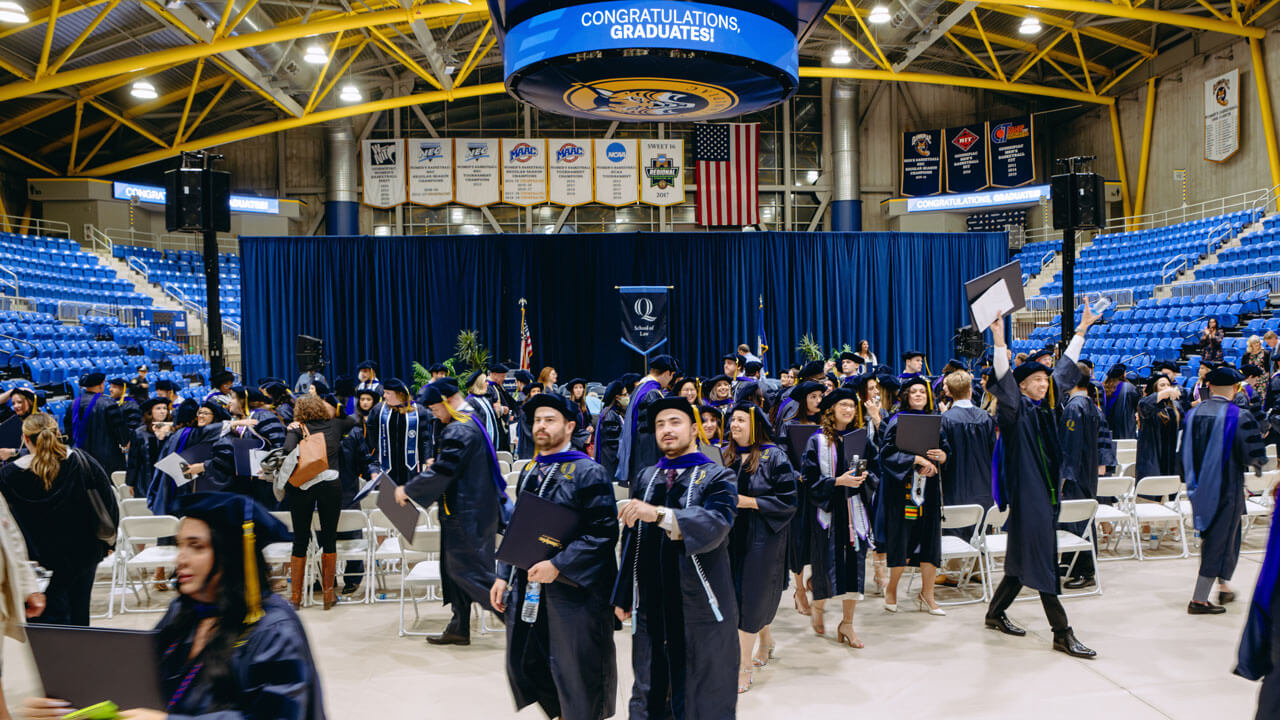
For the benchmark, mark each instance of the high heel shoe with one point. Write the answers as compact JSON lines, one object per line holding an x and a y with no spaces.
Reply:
{"x":816,"y":622}
{"x":890,"y":606}
{"x":795,"y":599}
{"x":848,"y":638}
{"x":741,"y":686}
{"x":925,"y":607}
{"x":757,"y":662}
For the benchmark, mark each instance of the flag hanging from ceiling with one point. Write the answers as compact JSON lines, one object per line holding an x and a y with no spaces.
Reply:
{"x":726,"y":157}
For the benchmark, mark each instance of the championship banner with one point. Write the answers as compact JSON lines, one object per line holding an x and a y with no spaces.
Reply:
{"x":570,"y":171}
{"x":663,"y":168}
{"x":524,"y":171}
{"x":430,"y":171}
{"x":617,"y":172}
{"x":965,"y":149}
{"x":1013,"y":158}
{"x":921,"y":163}
{"x":1222,"y":116}
{"x":382,"y":164}
{"x":644,"y":317}
{"x":476,"y":171}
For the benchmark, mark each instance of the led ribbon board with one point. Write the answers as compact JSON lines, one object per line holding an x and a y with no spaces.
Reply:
{"x":640,"y":61}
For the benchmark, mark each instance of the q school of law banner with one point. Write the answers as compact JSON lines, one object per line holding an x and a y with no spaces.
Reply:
{"x":1013,"y":160}
{"x":921,"y":163}
{"x":644,"y":317}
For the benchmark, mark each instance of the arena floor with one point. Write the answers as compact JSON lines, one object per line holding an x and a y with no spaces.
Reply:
{"x":1155,"y":661}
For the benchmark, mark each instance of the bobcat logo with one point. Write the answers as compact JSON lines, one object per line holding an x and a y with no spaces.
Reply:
{"x":638,"y":98}
{"x":1220,"y":89}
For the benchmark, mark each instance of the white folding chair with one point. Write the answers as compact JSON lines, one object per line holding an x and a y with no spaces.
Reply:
{"x":1075,"y":511}
{"x":1258,"y":503}
{"x":145,"y":531}
{"x":504,"y":467}
{"x":118,"y":482}
{"x":955,"y":547}
{"x":1127,"y":444}
{"x":519,"y":465}
{"x":353,"y":550}
{"x":370,"y":501}
{"x":504,"y":456}
{"x":280,"y":553}
{"x":993,"y":542}
{"x":426,"y":544}
{"x":134,"y":507}
{"x":388,"y":553}
{"x":1126,"y":456}
{"x":1118,"y":512}
{"x":1165,"y":512}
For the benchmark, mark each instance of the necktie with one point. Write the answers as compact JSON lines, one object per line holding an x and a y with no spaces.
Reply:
{"x":671,"y":477}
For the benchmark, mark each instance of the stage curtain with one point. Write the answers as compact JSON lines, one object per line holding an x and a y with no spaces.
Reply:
{"x":399,"y":299}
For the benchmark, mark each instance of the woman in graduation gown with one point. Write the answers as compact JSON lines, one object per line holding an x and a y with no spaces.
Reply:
{"x":718,"y":392}
{"x":477,"y":388}
{"x":193,"y":427}
{"x":839,"y":506}
{"x":397,"y":433}
{"x":758,"y":541}
{"x":228,"y":648}
{"x":808,"y":399}
{"x":871,"y":415}
{"x":585,"y":424}
{"x":144,"y":449}
{"x":609,"y":425}
{"x":1159,"y":422}
{"x":223,"y":472}
{"x":712,"y":424}
{"x":911,"y":495}
{"x":1120,"y":404}
{"x":687,"y":388}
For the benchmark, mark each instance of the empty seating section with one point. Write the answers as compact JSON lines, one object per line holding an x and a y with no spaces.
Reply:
{"x":183,"y":271}
{"x":49,"y":270}
{"x":1141,"y":260}
{"x":1259,"y":253}
{"x":1034,"y":255}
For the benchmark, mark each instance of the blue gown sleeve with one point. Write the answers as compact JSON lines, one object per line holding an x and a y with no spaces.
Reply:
{"x":706,"y":526}
{"x":1071,"y":438}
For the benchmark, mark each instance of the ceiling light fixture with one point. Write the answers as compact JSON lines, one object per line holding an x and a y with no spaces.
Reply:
{"x":840,"y":56}
{"x":350,"y":94}
{"x":12,"y":12}
{"x":1030,"y":25}
{"x":879,"y":15}
{"x":315,"y":55}
{"x":143,"y":90}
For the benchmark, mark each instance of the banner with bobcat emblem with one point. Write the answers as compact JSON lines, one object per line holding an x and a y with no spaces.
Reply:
{"x":921,"y":163}
{"x":1222,"y":116}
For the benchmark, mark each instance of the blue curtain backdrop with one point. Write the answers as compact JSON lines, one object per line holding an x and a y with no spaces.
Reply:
{"x":400,"y":299}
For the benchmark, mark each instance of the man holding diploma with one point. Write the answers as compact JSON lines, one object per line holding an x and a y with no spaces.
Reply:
{"x":564,"y":659}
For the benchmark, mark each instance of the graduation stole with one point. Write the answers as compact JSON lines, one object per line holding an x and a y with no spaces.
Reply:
{"x":1113,"y":396}
{"x":1204,"y":479}
{"x":690,"y":460}
{"x":859,"y":520}
{"x":78,"y":419}
{"x":410,"y":441}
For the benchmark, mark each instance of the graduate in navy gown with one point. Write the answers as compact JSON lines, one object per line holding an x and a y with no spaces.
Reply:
{"x":196,"y":428}
{"x":1120,"y":402}
{"x":805,"y":409}
{"x":228,"y":648}
{"x":1082,"y":436}
{"x":609,"y":425}
{"x":970,"y":432}
{"x":524,"y":424}
{"x":130,"y":413}
{"x":467,"y":481}
{"x":1159,"y":421}
{"x":758,"y":543}
{"x":676,"y":583}
{"x":269,"y":425}
{"x":144,"y":448}
{"x":397,"y":432}
{"x":1259,"y":653}
{"x":1219,"y":442}
{"x":840,"y":502}
{"x":96,"y":425}
{"x":910,"y":495}
{"x":637,"y":448}
{"x":1029,"y":485}
{"x":564,"y":660}
{"x":912,"y":364}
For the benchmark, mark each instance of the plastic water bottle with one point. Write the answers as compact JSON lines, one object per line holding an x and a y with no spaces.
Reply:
{"x":532,"y":599}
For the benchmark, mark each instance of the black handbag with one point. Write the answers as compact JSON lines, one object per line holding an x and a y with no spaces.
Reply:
{"x":107,"y":522}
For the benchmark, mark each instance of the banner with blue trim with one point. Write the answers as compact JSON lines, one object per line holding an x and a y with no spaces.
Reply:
{"x":644,"y":317}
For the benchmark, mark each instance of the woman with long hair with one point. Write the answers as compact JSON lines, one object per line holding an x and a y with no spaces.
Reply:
{"x":1159,"y":423}
{"x":839,"y":504}
{"x":1211,"y":342}
{"x":585,"y":427}
{"x":196,"y":428}
{"x":758,"y":540}
{"x":609,"y":425}
{"x":144,"y":449}
{"x":322,"y":495}
{"x":911,"y":496}
{"x":48,"y":492}
{"x":870,"y":416}
{"x":807,"y":397}
{"x":710,"y":429}
{"x":864,"y":349}
{"x":687,"y":388}
{"x":547,"y":379}
{"x":227,"y":647}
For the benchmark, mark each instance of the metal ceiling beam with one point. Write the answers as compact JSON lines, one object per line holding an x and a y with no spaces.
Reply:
{"x":969,"y":82}
{"x":1164,"y":17}
{"x":36,"y":18}
{"x":935,"y":34}
{"x":186,"y":53}
{"x":1029,"y":48}
{"x":427,"y":44}
{"x":182,"y":18}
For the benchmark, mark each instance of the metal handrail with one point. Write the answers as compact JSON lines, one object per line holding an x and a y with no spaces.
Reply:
{"x":1265,"y":201}
{"x":1165,"y":272}
{"x":96,"y":237}
{"x":16,"y":291}
{"x":136,"y":263}
{"x":35,"y":226}
{"x":1048,"y":258}
{"x":1195,"y":211}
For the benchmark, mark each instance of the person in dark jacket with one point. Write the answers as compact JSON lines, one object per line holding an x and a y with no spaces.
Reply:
{"x":129,"y":409}
{"x":1085,"y":443}
{"x":466,"y":479}
{"x":1159,"y":422}
{"x":144,"y":449}
{"x":96,"y":425}
{"x":564,"y":659}
{"x":48,"y":492}
{"x":609,"y":425}
{"x":18,"y":403}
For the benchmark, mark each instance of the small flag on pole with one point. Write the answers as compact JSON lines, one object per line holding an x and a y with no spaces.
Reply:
{"x":526,"y":340}
{"x":762,"y":344}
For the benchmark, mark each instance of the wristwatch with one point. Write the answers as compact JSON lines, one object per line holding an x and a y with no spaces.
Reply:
{"x":662,"y":515}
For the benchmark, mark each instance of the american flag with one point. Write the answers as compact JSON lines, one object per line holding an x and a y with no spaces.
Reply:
{"x":727,"y":164}
{"x":526,"y":340}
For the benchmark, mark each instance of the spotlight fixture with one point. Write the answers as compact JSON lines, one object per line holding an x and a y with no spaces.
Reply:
{"x":350,"y":94}
{"x":173,"y":4}
{"x":315,"y":55}
{"x":879,"y":15}
{"x":840,"y":56}
{"x":12,"y":12}
{"x":1030,"y":25}
{"x":143,"y":90}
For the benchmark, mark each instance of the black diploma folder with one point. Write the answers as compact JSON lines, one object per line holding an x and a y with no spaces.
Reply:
{"x":88,"y":665}
{"x":405,"y":519}
{"x":797,"y":437}
{"x":538,"y":530}
{"x":1011,"y":276}
{"x":918,"y":434}
{"x":853,"y":443}
{"x":11,"y":433}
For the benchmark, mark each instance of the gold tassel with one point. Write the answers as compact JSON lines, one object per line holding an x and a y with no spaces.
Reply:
{"x":697,"y":423}
{"x":252,"y":592}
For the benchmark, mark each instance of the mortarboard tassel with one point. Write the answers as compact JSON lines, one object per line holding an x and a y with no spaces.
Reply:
{"x":252,"y":592}
{"x":697,"y":424}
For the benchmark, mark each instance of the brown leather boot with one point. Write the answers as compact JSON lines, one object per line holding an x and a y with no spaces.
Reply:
{"x":297,"y":573}
{"x":328,"y":569}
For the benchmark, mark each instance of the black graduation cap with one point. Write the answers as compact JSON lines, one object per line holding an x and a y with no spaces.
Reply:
{"x":186,"y":412}
{"x":760,"y":431}
{"x":911,"y":354}
{"x":472,"y":377}
{"x":28,"y":393}
{"x":734,"y":357}
{"x":745,"y":391}
{"x":705,"y":410}
{"x":436,"y":368}
{"x":254,"y":395}
{"x":671,"y":402}
{"x":664,"y":363}
{"x":147,"y":405}
{"x":368,"y":365}
{"x":1252,"y":370}
{"x":811,"y":369}
{"x":830,"y":399}
{"x":395,"y":384}
{"x":678,"y":385}
{"x":320,"y":387}
{"x":1037,"y":354}
{"x":1164,"y":365}
{"x":92,"y":379}
{"x":523,"y":376}
{"x":629,"y":380}
{"x":576,"y":381}
{"x":219,"y":411}
{"x":1086,"y":361}
{"x":1224,"y":375}
{"x":556,"y":402}
{"x":447,"y":386}
{"x":1153,"y":380}
{"x":221,"y":378}
{"x":850,"y":355}
{"x":372,"y":392}
{"x":752,"y":366}
{"x":166,"y":385}
{"x":344,"y":386}
{"x":265,"y":381}
{"x":499,"y":368}
{"x":1029,"y":368}
{"x":239,"y":516}
{"x":912,"y":381}
{"x":276,"y":391}
{"x":889,"y":381}
{"x":534,"y":386}
{"x":1117,"y":372}
{"x":710,"y":384}
{"x":954,"y":364}
{"x":612,"y":391}
{"x":118,"y":381}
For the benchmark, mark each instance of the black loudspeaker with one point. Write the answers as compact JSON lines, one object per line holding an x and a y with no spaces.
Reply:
{"x":1086,"y":206}
{"x":308,"y":352}
{"x":197,"y":200}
